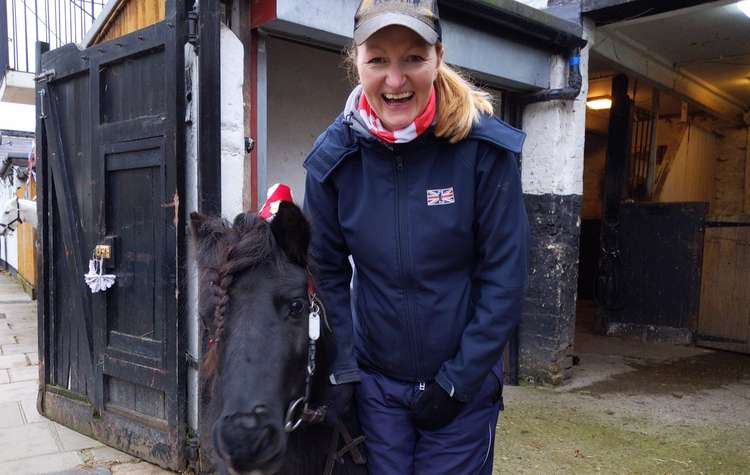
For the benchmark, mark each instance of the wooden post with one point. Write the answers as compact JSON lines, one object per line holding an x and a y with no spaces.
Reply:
{"x":609,"y":279}
{"x":747,"y":172}
{"x":249,"y":193}
{"x":42,"y":243}
{"x":618,"y":148}
{"x":209,"y":109}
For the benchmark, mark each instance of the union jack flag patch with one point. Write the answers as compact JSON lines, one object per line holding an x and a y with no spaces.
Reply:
{"x":440,"y":197}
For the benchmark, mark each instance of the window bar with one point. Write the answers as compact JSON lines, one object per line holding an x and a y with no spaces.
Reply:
{"x":640,"y":151}
{"x":15,"y":35}
{"x":57,"y":22}
{"x":36,"y":23}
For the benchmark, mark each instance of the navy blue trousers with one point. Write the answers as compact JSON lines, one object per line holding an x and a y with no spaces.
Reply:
{"x":396,"y":447}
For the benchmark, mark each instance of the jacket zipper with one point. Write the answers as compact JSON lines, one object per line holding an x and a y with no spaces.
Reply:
{"x":404,"y":257}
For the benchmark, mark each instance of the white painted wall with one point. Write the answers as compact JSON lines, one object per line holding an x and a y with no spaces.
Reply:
{"x":192,"y":320}
{"x":307,"y":89}
{"x":554,"y":149}
{"x":232,"y":178}
{"x":232,"y":124}
{"x":691,"y":176}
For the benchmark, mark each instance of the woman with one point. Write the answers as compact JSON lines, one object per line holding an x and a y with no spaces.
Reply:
{"x":418,"y":183}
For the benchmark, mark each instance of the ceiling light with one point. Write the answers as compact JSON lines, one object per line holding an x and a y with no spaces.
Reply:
{"x":599,"y":103}
{"x":745,"y":7}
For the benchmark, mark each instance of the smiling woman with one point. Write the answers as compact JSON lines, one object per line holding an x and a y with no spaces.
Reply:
{"x":397,"y":69}
{"x":417,"y":184}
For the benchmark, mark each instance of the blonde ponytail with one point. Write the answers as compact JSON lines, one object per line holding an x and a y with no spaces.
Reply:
{"x":460,"y":103}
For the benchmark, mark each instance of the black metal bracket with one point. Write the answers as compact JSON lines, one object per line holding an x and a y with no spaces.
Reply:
{"x":193,"y":36}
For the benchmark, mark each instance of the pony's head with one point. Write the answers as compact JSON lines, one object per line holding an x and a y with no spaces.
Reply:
{"x":255,"y":307}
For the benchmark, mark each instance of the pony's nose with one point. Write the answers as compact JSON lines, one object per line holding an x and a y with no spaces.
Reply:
{"x":249,"y":439}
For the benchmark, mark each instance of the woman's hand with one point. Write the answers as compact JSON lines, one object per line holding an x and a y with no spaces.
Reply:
{"x":435,"y":408}
{"x":338,"y":401}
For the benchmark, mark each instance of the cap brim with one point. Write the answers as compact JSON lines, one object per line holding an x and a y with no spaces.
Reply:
{"x":369,"y":27}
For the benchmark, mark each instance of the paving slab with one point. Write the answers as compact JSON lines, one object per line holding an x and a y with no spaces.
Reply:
{"x":7,"y":336}
{"x":26,"y":441}
{"x":28,"y":337}
{"x":72,"y":440}
{"x":13,"y":361}
{"x":27,"y":373}
{"x":22,"y":325}
{"x":84,"y":470}
{"x":28,"y":407}
{"x":18,"y":348}
{"x":18,"y":391}
{"x":10,"y":415}
{"x":42,"y":464}
{"x":141,"y":468}
{"x":108,"y":455}
{"x":4,"y":376}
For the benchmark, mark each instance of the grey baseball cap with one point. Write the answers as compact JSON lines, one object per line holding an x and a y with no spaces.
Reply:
{"x":421,"y":16}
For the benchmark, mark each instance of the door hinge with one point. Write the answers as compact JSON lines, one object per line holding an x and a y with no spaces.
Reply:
{"x":192,"y":28}
{"x":192,"y":450}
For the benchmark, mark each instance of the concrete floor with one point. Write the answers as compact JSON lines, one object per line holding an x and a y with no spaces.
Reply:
{"x":632,"y":407}
{"x":30,"y":443}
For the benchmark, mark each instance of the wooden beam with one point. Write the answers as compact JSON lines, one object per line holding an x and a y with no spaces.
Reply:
{"x":209,"y":109}
{"x":618,"y":148}
{"x":747,"y":172}
{"x":626,"y":54}
{"x":248,"y":93}
{"x":263,"y":11}
{"x":44,"y":323}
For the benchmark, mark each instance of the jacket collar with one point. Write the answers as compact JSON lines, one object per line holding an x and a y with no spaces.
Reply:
{"x":345,"y":137}
{"x":493,"y":130}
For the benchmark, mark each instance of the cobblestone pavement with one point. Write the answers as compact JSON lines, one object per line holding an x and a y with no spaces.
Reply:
{"x":30,"y":443}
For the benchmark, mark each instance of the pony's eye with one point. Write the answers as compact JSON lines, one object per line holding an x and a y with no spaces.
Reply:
{"x":296,"y":307}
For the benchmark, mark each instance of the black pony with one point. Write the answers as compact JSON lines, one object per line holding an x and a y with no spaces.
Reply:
{"x":255,"y":302}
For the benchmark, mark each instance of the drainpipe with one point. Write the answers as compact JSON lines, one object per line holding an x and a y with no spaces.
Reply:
{"x":570,"y":92}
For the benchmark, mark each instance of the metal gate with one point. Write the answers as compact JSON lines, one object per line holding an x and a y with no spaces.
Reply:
{"x":110,"y":135}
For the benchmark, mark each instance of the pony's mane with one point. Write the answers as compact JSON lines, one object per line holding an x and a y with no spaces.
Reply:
{"x":227,"y":251}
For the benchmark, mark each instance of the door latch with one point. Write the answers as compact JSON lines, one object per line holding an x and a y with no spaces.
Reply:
{"x":103,"y":251}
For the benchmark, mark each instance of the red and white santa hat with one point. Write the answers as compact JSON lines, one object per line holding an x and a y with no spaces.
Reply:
{"x":276,"y":194}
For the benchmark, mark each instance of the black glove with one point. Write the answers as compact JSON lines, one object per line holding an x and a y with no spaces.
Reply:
{"x":338,"y":400}
{"x":435,"y":408}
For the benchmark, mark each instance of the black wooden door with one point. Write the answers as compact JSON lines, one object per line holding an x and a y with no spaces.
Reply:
{"x":111,"y":144}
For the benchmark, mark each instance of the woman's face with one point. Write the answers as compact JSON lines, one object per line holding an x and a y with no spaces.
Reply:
{"x":397,"y":69}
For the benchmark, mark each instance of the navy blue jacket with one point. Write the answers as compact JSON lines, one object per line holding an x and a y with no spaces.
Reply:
{"x":438,"y":234}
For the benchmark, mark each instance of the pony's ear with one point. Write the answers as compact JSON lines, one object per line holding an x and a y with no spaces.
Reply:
{"x":292,"y":232}
{"x":207,"y":231}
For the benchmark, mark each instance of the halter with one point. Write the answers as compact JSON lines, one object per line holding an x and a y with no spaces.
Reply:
{"x":313,"y":416}
{"x":5,"y":227}
{"x":299,"y":410}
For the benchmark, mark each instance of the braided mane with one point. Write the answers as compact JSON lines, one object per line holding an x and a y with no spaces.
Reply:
{"x":247,"y":244}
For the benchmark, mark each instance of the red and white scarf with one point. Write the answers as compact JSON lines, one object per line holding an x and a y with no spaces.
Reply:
{"x":408,"y":133}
